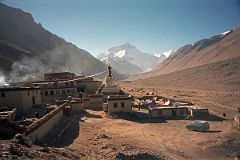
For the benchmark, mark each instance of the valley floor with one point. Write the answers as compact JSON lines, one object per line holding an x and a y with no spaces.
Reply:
{"x":102,"y":137}
{"x":94,"y":135}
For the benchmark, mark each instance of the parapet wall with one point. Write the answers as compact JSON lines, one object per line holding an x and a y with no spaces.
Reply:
{"x":40,"y":128}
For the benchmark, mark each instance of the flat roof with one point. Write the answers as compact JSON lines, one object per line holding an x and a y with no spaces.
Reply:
{"x":118,"y":97}
{"x":14,"y":88}
{"x":159,"y":108}
{"x":59,"y":73}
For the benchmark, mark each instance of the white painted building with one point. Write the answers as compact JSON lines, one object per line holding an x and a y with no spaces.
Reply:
{"x":118,"y":104}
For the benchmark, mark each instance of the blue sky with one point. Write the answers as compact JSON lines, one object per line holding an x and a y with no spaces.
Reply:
{"x":151,"y":25}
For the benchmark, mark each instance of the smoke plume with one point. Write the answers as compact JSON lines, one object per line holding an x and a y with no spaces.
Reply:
{"x":2,"y":79}
{"x":66,"y":58}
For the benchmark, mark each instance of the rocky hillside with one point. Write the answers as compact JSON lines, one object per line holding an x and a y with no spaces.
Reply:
{"x":215,"y":49}
{"x":201,"y":52}
{"x":10,"y":54}
{"x":27,"y":48}
{"x":127,"y":59}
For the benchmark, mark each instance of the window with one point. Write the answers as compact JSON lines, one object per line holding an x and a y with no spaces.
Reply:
{"x":122,"y":104}
{"x":57,"y":92}
{"x":55,"y":84}
{"x":36,"y":92}
{"x":115,"y":105}
{"x":66,"y":83}
{"x":68,"y":91}
{"x":71,"y":83}
{"x":63,"y":92}
{"x":73,"y":91}
{"x":3,"y":94}
{"x":52,"y":92}
{"x":41,"y":92}
{"x":160,"y":112}
{"x":46,"y":93}
{"x":28,"y":93}
{"x":182,"y":111}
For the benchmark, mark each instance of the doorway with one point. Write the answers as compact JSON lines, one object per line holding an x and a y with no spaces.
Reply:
{"x":33,"y":100}
{"x":174,"y":113}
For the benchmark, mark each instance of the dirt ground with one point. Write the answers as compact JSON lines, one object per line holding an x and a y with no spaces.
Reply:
{"x":97,"y":136}
{"x":218,"y":102}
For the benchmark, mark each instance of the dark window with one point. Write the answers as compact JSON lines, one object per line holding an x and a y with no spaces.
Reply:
{"x":46,"y":93}
{"x":41,"y":92}
{"x":68,"y":91}
{"x":82,"y":89}
{"x":160,"y":112}
{"x":52,"y":92}
{"x":55,"y":84}
{"x":182,"y":111}
{"x":63,"y":92}
{"x":57,"y":92}
{"x":122,"y":104}
{"x":73,"y":91}
{"x":71,"y":83}
{"x":66,"y":83}
{"x":115,"y":105}
{"x":28,"y":93}
{"x":3,"y":94}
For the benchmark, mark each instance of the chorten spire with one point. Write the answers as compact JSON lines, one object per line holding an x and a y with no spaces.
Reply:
{"x":109,"y":71}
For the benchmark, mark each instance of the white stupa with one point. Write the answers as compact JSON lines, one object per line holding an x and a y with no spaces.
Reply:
{"x":110,"y":88}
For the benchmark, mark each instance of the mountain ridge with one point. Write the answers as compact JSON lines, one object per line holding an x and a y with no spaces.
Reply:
{"x":47,"y":51}
{"x":216,"y":48}
{"x":127,"y":59}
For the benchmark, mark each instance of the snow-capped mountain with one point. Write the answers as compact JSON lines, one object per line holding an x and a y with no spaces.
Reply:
{"x":165,"y":54}
{"x":127,"y":59}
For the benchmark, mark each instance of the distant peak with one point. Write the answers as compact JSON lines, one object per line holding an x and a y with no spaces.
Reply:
{"x":226,"y":32}
{"x":127,"y":45}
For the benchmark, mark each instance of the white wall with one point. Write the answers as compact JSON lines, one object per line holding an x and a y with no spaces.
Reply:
{"x":112,"y":109}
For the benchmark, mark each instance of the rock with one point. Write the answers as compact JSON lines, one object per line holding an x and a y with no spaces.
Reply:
{"x":102,"y":136}
{"x":23,"y":140}
{"x":45,"y":149}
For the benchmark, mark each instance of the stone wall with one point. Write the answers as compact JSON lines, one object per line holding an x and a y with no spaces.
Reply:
{"x":40,"y":128}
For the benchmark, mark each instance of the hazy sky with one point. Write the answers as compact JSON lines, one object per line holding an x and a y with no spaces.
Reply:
{"x":151,"y":25}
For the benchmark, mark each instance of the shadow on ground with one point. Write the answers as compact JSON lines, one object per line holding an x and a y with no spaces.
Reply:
{"x":210,"y":117}
{"x":64,"y":133}
{"x":90,"y":115}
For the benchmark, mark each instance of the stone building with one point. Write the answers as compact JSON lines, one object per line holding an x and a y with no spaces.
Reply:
{"x":21,"y":98}
{"x":59,"y":76}
{"x":60,"y":89}
{"x":118,"y":104}
{"x":168,"y":112}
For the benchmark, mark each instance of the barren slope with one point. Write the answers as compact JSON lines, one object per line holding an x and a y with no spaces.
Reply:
{"x":19,"y":29}
{"x":227,"y":48}
{"x":223,"y":76}
{"x":10,"y":53}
